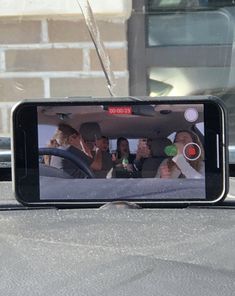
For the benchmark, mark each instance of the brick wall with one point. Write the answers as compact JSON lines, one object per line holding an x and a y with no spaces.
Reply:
{"x":56,"y":58}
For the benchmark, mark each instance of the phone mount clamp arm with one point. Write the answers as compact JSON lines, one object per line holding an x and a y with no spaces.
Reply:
{"x":119,"y":205}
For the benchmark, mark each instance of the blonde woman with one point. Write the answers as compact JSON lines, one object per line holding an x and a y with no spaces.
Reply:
{"x":179,"y":166}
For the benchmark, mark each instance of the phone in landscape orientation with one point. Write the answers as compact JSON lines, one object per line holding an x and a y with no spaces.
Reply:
{"x":167,"y":150}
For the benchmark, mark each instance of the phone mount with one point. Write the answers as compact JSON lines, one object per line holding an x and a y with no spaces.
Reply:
{"x":120,"y":205}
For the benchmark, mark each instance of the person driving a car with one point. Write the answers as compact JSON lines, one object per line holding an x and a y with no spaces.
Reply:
{"x":181,"y":166}
{"x":69,"y":139}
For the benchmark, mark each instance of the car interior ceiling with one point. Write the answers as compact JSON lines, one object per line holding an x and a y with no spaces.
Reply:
{"x":124,"y":125}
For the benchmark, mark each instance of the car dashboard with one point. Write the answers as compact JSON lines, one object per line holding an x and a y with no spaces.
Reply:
{"x":109,"y":251}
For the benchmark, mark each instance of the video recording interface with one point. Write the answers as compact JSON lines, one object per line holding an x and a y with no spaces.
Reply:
{"x":121,"y":152}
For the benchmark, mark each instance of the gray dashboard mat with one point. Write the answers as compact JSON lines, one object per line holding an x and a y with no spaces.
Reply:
{"x":118,"y":252}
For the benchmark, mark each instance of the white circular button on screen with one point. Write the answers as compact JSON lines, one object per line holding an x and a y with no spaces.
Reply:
{"x":191,"y":114}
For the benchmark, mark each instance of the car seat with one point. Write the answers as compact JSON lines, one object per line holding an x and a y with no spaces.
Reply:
{"x":107,"y":164}
{"x":90,"y":131}
{"x":151,"y":164}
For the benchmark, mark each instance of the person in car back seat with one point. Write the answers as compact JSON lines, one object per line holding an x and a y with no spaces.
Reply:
{"x":102,"y":144}
{"x":69,"y":139}
{"x":151,"y":164}
{"x":143,"y":152}
{"x":124,"y":161}
{"x":123,"y":157}
{"x":180,"y":167}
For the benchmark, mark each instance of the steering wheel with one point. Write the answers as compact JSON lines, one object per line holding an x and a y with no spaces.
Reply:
{"x":80,"y":163}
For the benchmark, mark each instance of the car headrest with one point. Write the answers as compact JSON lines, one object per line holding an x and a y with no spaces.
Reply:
{"x":158,"y":145}
{"x":90,"y":131}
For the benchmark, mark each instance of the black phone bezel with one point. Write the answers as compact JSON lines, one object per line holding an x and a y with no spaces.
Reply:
{"x":25,"y":139}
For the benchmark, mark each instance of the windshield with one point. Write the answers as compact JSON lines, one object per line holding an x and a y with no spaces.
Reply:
{"x":155,"y":48}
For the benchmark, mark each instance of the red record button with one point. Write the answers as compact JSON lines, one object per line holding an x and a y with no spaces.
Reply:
{"x":192,"y":151}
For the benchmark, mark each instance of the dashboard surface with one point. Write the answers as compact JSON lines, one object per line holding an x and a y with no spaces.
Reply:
{"x":184,"y":251}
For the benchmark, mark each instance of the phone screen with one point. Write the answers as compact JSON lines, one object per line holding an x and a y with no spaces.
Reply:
{"x":105,"y":152}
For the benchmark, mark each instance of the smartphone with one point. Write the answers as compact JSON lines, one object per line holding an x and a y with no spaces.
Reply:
{"x":186,"y":136}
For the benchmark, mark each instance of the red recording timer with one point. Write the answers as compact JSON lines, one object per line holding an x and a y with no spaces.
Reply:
{"x":120,"y":110}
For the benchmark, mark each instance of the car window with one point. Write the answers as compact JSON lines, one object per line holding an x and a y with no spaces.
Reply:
{"x":45,"y":132}
{"x":200,"y":127}
{"x":187,"y":48}
{"x":156,"y":48}
{"x":133,"y":144}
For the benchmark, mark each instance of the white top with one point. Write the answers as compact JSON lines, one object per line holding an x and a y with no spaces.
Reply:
{"x":183,"y":167}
